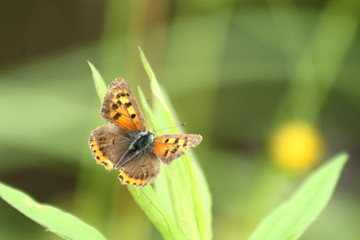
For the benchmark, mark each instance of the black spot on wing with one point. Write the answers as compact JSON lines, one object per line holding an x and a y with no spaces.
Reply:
{"x":114,"y":106}
{"x":175,"y":149}
{"x":116,"y":116}
{"x":185,"y":141}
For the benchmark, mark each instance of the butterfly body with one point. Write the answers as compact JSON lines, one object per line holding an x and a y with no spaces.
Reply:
{"x":126,"y":145}
{"x":140,"y":145}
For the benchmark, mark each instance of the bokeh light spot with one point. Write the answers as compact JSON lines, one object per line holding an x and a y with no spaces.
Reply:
{"x":296,"y":146}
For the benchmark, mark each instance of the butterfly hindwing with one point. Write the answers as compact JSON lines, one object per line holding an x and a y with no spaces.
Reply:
{"x":108,"y":143}
{"x":121,"y":108}
{"x":141,"y":170}
{"x":169,"y":147}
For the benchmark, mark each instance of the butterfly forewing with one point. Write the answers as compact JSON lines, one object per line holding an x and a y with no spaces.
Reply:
{"x":121,"y":108}
{"x":169,"y":147}
{"x":108,"y":143}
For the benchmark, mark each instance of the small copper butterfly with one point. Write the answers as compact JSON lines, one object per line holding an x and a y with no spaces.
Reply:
{"x":126,"y":145}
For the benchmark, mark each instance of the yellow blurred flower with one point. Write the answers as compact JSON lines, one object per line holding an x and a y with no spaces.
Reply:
{"x":296,"y":146}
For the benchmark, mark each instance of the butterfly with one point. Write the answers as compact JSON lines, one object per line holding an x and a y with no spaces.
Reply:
{"x":126,"y":145}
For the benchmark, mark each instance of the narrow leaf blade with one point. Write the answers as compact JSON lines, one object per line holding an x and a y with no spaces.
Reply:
{"x":188,"y":190}
{"x":53,"y":219}
{"x":150,"y":203}
{"x":99,"y":82}
{"x":293,"y":217}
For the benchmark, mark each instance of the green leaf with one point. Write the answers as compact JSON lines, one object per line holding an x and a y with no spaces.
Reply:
{"x":152,"y":205}
{"x":185,"y":182}
{"x":53,"y":219}
{"x":99,"y":82}
{"x":293,"y":217}
{"x":155,"y":87}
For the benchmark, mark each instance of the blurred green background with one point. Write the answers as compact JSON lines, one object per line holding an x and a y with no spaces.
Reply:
{"x":234,"y":70}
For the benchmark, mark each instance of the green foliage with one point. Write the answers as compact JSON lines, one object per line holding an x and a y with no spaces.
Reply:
{"x":52,"y":218}
{"x":292,"y":218}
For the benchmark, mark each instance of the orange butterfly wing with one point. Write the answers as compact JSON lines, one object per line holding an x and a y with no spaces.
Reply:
{"x":108,"y":143}
{"x":121,"y":108}
{"x":169,"y":147}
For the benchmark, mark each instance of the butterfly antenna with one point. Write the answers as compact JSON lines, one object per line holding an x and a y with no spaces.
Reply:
{"x":179,"y":125}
